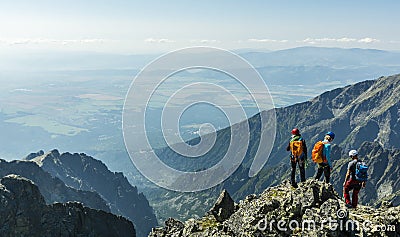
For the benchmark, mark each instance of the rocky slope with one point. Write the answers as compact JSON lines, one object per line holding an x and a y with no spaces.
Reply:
{"x":83,"y":172}
{"x":23,"y":212}
{"x":314,"y":209}
{"x":366,"y":111}
{"x":52,"y":189}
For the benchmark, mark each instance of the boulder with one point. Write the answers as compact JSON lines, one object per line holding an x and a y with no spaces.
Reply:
{"x":224,"y":207}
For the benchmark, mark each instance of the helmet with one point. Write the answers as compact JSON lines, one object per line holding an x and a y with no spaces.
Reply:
{"x":295,"y":131}
{"x":331,"y":134}
{"x":353,"y":153}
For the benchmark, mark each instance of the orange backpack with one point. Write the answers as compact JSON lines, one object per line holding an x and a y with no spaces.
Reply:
{"x":316,"y":153}
{"x":296,"y":147}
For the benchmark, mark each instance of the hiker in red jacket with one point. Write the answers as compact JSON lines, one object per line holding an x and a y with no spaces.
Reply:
{"x":298,"y":155}
{"x":355,"y":179}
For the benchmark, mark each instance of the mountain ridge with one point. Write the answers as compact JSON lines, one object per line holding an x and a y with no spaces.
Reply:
{"x":86,"y":173}
{"x":52,"y":189}
{"x":24,"y":212}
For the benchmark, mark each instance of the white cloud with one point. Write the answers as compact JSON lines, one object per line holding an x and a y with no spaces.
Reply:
{"x":152,"y":40}
{"x":345,"y":39}
{"x":339,"y":40}
{"x":369,"y":40}
{"x":308,"y":40}
{"x":21,"y":90}
{"x":51,"y":41}
{"x":267,"y":41}
{"x":206,"y":41}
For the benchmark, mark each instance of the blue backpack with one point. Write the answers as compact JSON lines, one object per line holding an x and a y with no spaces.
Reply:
{"x":361,"y":171}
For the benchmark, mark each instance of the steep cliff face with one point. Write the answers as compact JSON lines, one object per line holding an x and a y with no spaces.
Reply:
{"x":83,"y":172}
{"x":23,"y":212}
{"x":52,"y":188}
{"x":314,"y":209}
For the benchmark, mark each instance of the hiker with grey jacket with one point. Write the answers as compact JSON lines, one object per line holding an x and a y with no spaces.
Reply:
{"x":356,"y":177}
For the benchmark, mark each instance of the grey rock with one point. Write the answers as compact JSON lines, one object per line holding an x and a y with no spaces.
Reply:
{"x":23,"y":212}
{"x":34,"y":155}
{"x":285,"y":211}
{"x":224,"y":207}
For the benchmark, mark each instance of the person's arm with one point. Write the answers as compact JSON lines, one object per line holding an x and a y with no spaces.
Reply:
{"x":328,"y":154}
{"x":363,"y":184}
{"x":305,"y":149}
{"x":347,"y":177}
{"x":288,"y":147}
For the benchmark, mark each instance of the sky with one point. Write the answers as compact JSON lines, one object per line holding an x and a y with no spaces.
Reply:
{"x":136,"y":27}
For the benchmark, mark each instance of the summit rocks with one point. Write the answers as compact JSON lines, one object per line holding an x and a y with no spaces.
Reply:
{"x":313,"y":209}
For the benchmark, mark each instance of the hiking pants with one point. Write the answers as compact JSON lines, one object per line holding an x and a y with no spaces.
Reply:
{"x":323,"y":168}
{"x":356,"y":187}
{"x":301,"y":168}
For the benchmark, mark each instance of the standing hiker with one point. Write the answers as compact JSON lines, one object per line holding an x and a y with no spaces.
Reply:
{"x":321,"y":155}
{"x":298,"y":154}
{"x":355,"y":179}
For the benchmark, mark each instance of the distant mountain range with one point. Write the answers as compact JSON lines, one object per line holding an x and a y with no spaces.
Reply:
{"x":323,"y":56}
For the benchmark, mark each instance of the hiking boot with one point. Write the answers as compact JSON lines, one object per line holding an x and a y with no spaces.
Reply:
{"x":294,"y":185}
{"x":348,"y":205}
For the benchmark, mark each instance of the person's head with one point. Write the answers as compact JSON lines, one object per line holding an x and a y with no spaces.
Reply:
{"x":295,"y":131}
{"x":329,"y":136}
{"x":353,"y":154}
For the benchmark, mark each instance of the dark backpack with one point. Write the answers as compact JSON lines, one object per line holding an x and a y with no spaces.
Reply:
{"x":361,"y":171}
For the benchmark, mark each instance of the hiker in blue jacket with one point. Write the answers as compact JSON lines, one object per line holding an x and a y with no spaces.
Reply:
{"x":326,"y":166}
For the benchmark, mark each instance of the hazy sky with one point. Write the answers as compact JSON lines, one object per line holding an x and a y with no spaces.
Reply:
{"x":158,"y":26}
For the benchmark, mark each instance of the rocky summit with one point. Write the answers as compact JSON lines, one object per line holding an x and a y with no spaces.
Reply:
{"x":23,"y":212}
{"x":86,"y":174}
{"x":52,"y":189}
{"x":313,"y":209}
